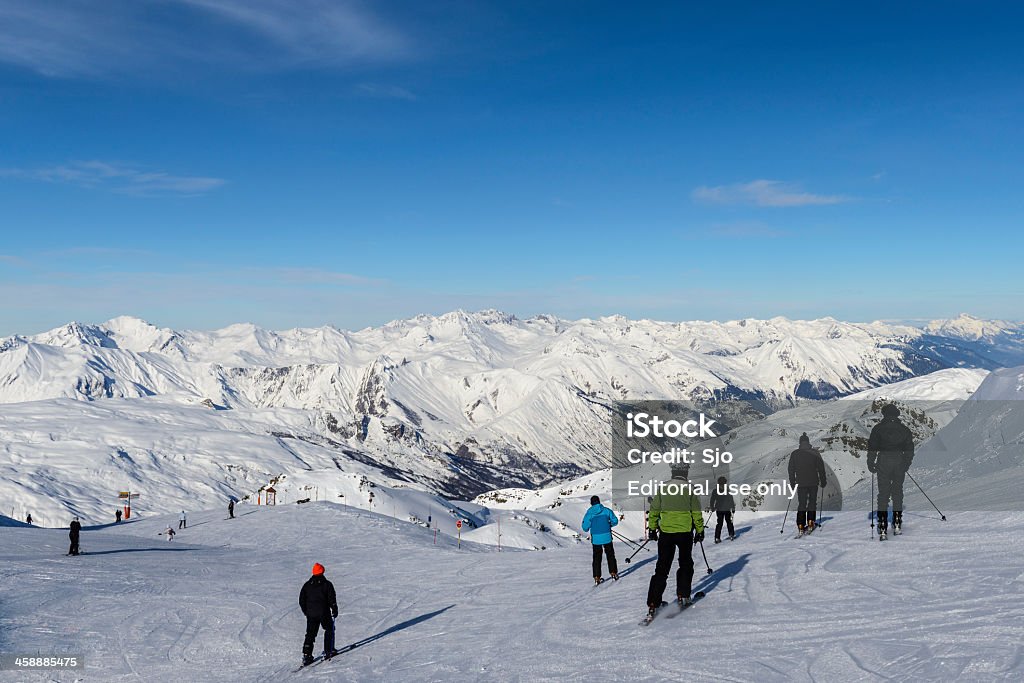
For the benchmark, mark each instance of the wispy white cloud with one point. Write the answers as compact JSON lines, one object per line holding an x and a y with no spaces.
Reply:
{"x":385,"y":91}
{"x":117,"y":177}
{"x":70,"y":38}
{"x":770,"y":193}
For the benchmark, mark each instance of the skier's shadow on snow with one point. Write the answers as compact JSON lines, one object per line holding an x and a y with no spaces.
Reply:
{"x":726,"y":571}
{"x":137,"y":550}
{"x":394,"y":629}
{"x":742,"y":530}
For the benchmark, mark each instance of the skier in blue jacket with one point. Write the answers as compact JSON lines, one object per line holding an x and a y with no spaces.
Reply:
{"x":599,"y":521}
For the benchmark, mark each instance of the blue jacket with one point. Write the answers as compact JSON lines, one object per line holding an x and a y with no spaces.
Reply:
{"x":599,"y":521}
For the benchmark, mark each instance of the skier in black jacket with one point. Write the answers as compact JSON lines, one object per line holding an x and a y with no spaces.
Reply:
{"x":76,"y":528}
{"x":320,"y":605}
{"x":725,"y":506}
{"x":806,"y":473}
{"x":890,"y":452}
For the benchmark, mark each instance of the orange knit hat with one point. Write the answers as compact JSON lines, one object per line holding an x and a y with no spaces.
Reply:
{"x":318,"y":569}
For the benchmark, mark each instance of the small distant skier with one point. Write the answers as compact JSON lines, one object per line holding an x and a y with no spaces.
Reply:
{"x":725,"y":506}
{"x":117,"y":516}
{"x":806,"y":474}
{"x":182,"y":523}
{"x":231,"y":508}
{"x":319,"y":604}
{"x":28,"y":518}
{"x":76,"y":529}
{"x":675,"y":521}
{"x":169,"y":532}
{"x":890,"y":453}
{"x":599,"y":521}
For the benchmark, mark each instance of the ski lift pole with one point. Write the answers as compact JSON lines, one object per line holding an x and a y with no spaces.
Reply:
{"x":926,"y":496}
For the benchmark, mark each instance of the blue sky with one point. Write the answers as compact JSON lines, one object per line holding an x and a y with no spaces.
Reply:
{"x":303,"y":162}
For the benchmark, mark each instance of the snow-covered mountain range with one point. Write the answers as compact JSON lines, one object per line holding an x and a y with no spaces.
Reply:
{"x":455,"y":404}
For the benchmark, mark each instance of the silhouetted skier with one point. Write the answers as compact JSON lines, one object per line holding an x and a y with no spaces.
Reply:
{"x":181,"y":521}
{"x":76,"y":529}
{"x":117,"y":516}
{"x":28,"y":518}
{"x":319,"y":604}
{"x":231,"y":509}
{"x":890,"y":453}
{"x":806,"y":473}
{"x":599,"y":521}
{"x":725,"y":506}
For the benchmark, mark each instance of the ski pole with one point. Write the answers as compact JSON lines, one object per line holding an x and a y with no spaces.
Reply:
{"x":638,"y":550}
{"x":926,"y":496}
{"x":705,"y":557}
{"x":871,"y":513}
{"x":821,"y":507}
{"x":622,"y":538}
{"x":790,"y":504}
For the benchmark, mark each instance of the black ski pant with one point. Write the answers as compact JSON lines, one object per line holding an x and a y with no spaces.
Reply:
{"x":891,"y":474}
{"x":73,"y":550}
{"x":724,"y":516}
{"x":181,"y":524}
{"x":806,"y":504}
{"x":313,"y":625}
{"x":667,"y":546}
{"x":609,"y":552}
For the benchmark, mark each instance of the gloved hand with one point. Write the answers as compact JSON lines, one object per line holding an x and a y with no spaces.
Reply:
{"x":822,"y":483}
{"x":334,"y":614}
{"x":652,"y":534}
{"x":698,"y":537}
{"x":872,"y":465}
{"x":906,"y":463}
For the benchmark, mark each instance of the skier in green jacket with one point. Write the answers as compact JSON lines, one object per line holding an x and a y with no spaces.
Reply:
{"x":672,"y":521}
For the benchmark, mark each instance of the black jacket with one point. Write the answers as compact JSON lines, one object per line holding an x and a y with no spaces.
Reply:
{"x":317,"y":597}
{"x":721,"y":501}
{"x":75,"y":529}
{"x":890,"y":438}
{"x":806,"y":468}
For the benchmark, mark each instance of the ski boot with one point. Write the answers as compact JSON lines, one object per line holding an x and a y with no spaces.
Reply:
{"x":732,"y":537}
{"x":811,"y":526}
{"x":717,"y":539}
{"x":307,"y":660}
{"x":598,"y":580}
{"x":684,"y":600}
{"x":615,"y":576}
{"x":883,"y":524}
{"x":800,"y":530}
{"x":897,"y":523}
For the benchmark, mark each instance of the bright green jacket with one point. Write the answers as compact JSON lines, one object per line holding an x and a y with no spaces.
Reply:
{"x":675,"y":514}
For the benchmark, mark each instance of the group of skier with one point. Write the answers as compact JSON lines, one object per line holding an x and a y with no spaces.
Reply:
{"x":675,"y":521}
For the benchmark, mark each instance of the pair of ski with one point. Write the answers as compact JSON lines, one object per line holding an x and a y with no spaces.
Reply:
{"x":807,"y":532}
{"x":682,"y":606}
{"x":322,"y":657}
{"x":883,"y":535}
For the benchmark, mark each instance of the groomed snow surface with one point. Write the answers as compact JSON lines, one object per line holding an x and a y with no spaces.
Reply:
{"x":219,"y":603}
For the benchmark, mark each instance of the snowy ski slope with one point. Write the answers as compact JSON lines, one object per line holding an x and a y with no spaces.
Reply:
{"x":219,"y":603}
